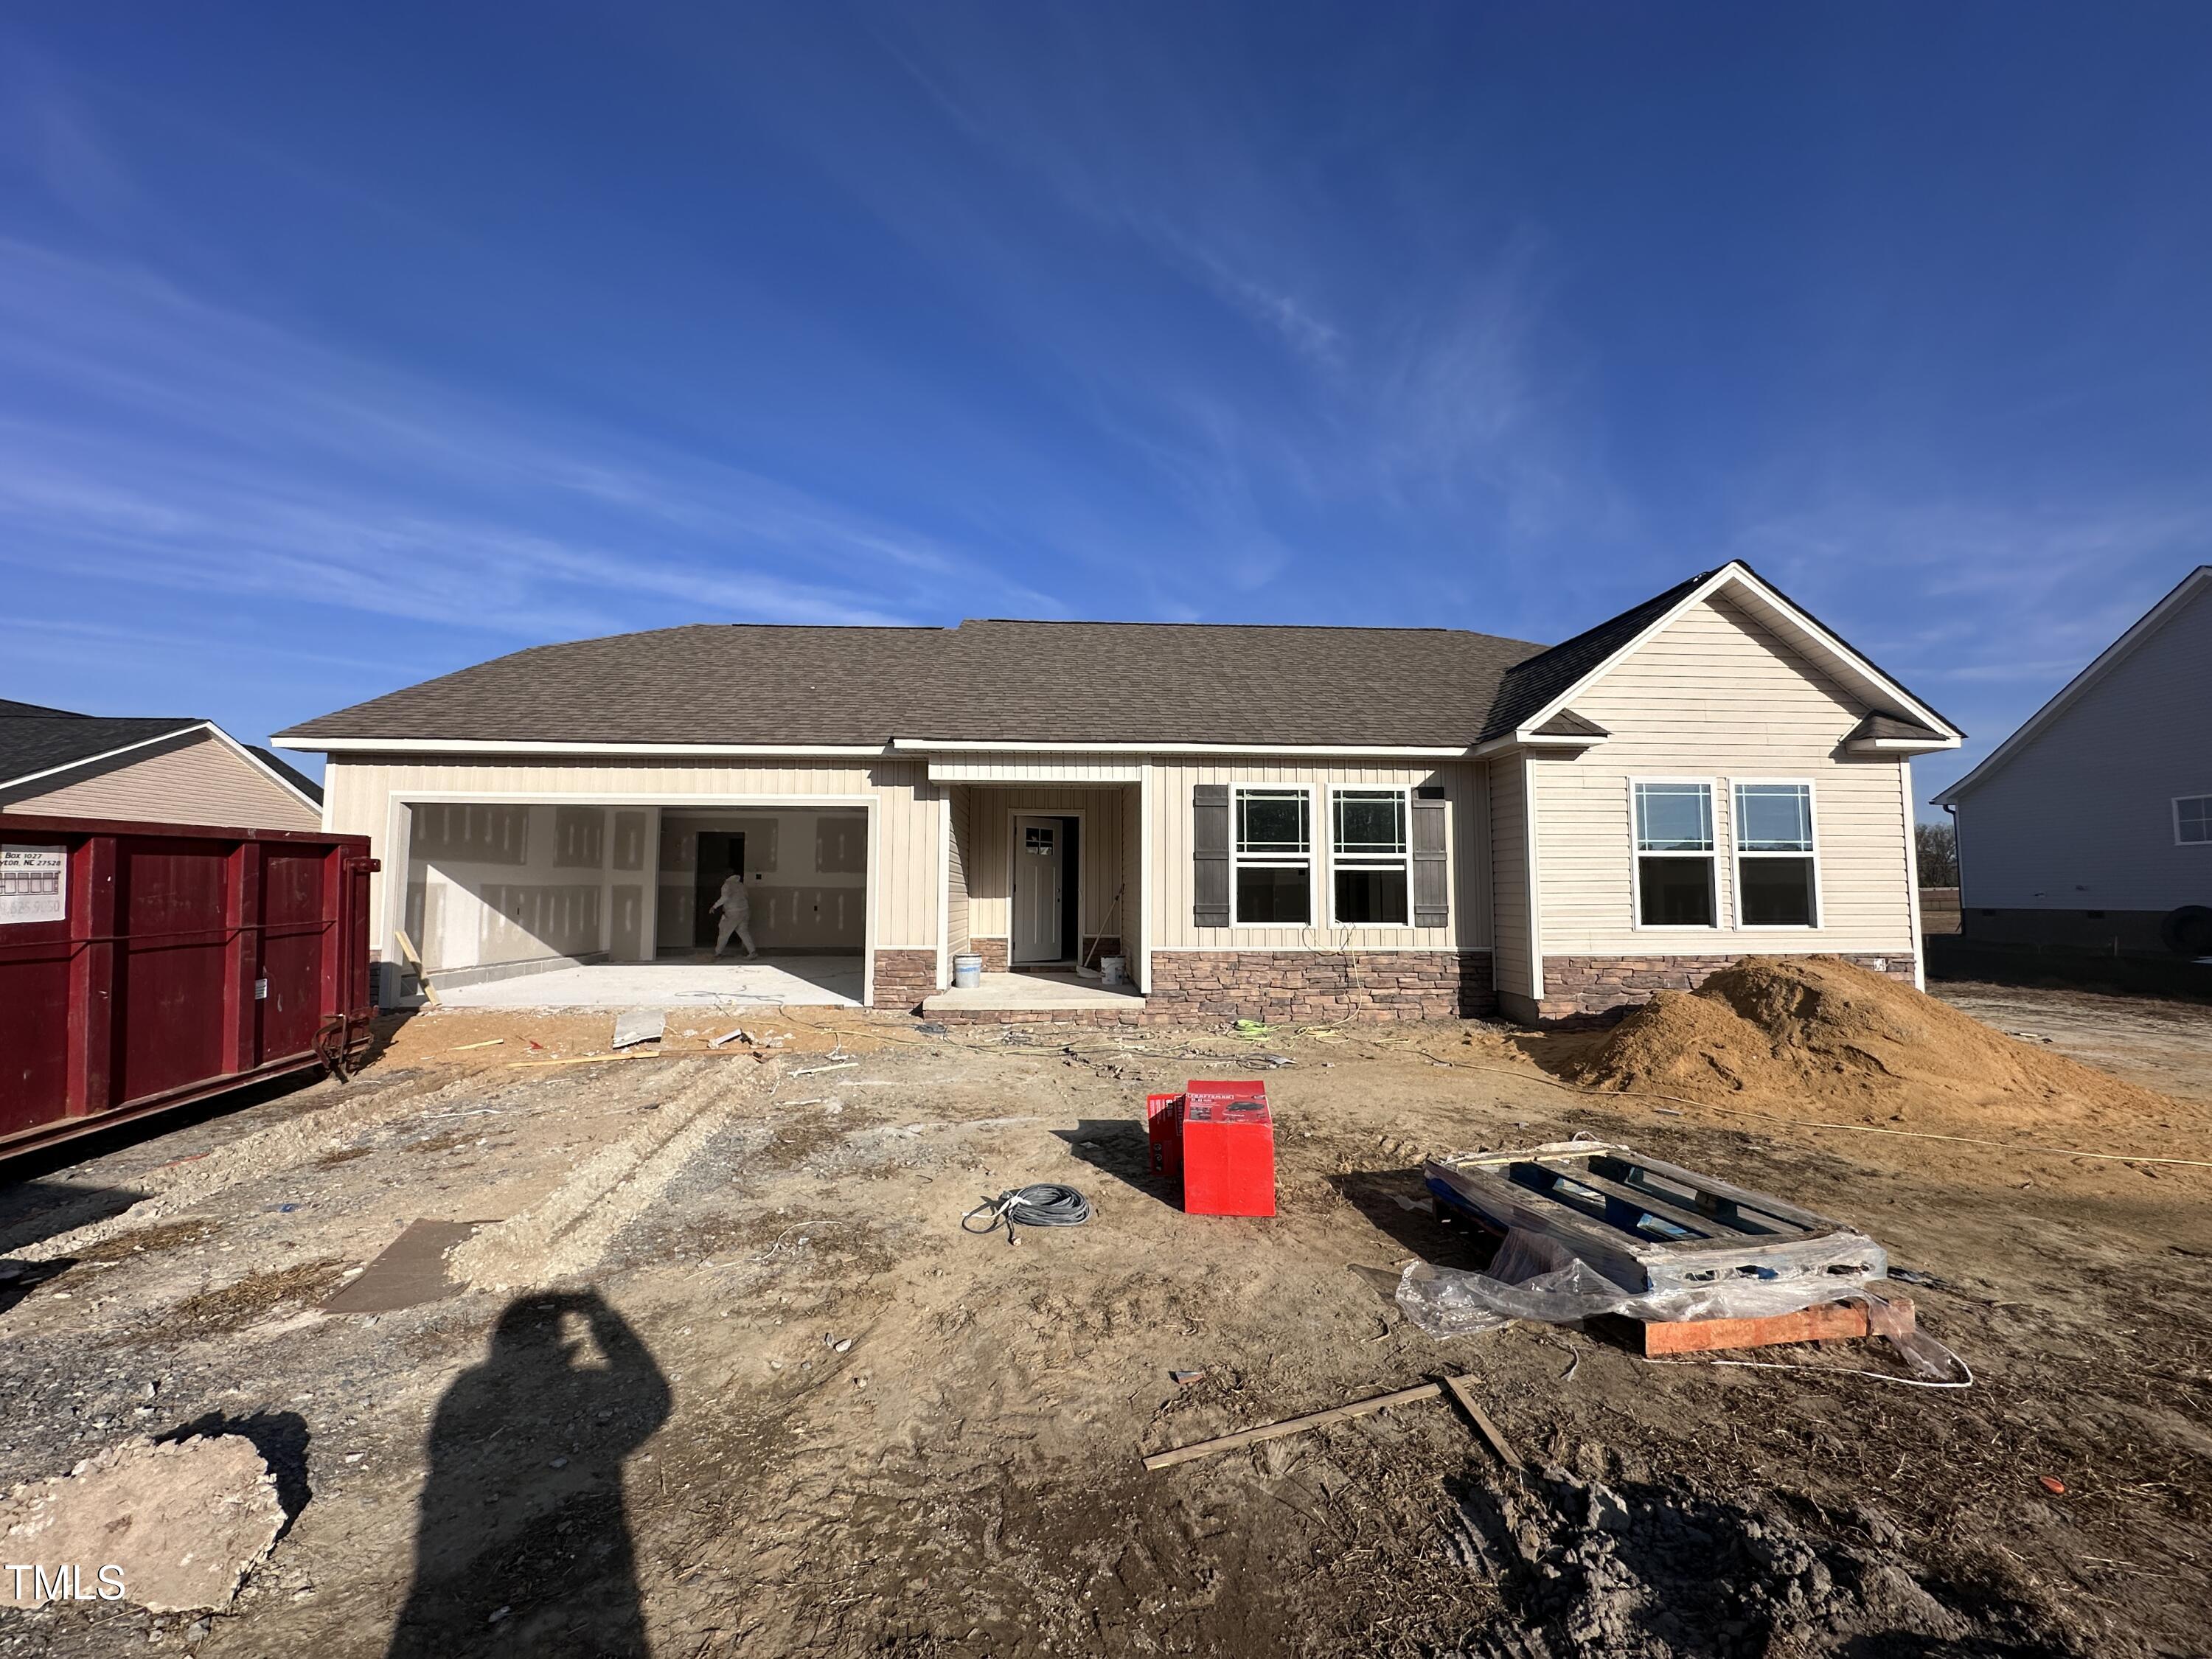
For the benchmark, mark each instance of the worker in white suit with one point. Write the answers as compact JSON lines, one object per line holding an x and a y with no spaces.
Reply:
{"x":736,"y":910}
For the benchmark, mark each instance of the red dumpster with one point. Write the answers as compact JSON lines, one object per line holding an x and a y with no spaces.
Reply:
{"x":146,"y":965}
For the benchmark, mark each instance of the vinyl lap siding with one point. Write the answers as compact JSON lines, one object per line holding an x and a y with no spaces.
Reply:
{"x":204,"y":780}
{"x":907,"y":827}
{"x":2081,"y":816}
{"x":1168,"y":916}
{"x":1719,"y":698}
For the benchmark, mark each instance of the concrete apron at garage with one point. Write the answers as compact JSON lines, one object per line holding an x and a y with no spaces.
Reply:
{"x":794,"y":981}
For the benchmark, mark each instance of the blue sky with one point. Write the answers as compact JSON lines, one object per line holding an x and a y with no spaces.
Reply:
{"x":343,"y":346}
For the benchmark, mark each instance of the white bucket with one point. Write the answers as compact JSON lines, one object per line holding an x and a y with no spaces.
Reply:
{"x":1113,"y":971}
{"x":967,"y":972}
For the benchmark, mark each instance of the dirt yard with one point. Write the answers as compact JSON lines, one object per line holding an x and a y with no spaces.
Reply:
{"x":725,"y":1376}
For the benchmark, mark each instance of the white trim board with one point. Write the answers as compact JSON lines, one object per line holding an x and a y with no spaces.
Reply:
{"x":899,"y":746}
{"x":460,"y":747}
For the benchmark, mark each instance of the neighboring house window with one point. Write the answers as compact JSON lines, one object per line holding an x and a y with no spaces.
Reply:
{"x":2193,"y":819}
{"x":1674,"y":855}
{"x":1370,"y":862}
{"x":1274,"y":862}
{"x":1776,"y":883}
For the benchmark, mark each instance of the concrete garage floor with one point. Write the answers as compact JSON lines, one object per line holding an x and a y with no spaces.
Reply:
{"x":824,"y":982}
{"x":722,"y":1376}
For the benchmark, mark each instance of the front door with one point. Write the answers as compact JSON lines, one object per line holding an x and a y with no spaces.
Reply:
{"x":1040,"y":905}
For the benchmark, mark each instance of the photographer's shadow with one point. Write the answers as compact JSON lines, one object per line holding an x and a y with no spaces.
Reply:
{"x":524,"y":1544}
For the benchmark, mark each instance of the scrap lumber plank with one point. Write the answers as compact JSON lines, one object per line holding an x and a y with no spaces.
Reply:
{"x":1198,"y":1449}
{"x":1826,"y":1322}
{"x":1463,"y":1391}
{"x":415,"y":961}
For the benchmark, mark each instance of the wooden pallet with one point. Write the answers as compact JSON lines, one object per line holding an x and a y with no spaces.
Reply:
{"x":1648,"y":1226}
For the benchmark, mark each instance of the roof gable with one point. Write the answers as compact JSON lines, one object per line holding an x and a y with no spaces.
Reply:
{"x":1538,"y":690}
{"x":2082,"y":685}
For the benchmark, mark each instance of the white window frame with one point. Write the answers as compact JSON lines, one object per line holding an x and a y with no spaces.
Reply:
{"x":1738,"y":855}
{"x":1310,"y":862}
{"x":1713,"y":788}
{"x":1402,"y":862}
{"x":2179,"y":840}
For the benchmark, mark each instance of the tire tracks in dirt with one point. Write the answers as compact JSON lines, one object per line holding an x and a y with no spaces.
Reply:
{"x":568,"y":1231}
{"x":176,"y":1187}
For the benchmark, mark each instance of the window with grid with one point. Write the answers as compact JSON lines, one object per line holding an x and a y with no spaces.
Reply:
{"x":1674,"y":855}
{"x":2193,"y":819}
{"x":1272,"y":848}
{"x":1776,"y":883}
{"x":1370,"y":862}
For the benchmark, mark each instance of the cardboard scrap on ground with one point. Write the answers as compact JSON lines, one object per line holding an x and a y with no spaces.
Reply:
{"x":640,"y":1025}
{"x":184,"y":1520}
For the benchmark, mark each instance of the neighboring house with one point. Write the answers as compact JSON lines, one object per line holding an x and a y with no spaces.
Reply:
{"x":59,"y":764}
{"x":1294,"y":822}
{"x":2091,"y":825}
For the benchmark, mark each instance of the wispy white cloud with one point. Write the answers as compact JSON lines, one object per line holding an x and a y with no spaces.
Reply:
{"x":154,"y":440}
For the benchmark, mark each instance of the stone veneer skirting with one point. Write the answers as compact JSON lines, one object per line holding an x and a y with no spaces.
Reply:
{"x":1576,"y":986}
{"x":1277,"y":986}
{"x":904,"y":978}
{"x":993,"y":953}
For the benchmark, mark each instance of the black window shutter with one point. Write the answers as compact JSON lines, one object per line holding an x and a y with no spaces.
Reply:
{"x":1209,"y":856}
{"x":1431,"y":879}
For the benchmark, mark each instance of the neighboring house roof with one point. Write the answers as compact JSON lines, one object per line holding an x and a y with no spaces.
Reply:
{"x":36,"y":742}
{"x":1048,"y":685}
{"x":47,"y":740}
{"x":287,"y":772}
{"x":2076,"y":689}
{"x":984,"y":681}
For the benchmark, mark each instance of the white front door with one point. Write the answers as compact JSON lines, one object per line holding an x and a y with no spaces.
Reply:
{"x":1040,"y":932}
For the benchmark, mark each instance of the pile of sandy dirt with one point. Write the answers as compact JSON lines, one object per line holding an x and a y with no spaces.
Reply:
{"x":1818,"y":1031}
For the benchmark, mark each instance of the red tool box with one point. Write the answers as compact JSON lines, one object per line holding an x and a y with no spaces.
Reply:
{"x":1218,"y":1139}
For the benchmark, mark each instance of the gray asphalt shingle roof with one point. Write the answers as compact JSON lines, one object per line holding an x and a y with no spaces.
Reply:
{"x":1020,"y":682}
{"x":35,"y":739}
{"x":1014,"y":682}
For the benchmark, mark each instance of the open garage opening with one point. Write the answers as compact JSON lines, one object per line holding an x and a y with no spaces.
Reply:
{"x":577,"y":904}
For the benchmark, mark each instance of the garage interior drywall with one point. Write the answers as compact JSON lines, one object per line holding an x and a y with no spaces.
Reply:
{"x":806,"y":872}
{"x":498,"y":884}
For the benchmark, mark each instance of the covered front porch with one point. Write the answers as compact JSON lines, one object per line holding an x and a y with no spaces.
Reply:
{"x":1044,"y":883}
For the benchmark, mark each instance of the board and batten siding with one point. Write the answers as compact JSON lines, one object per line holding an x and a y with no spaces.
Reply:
{"x":906,"y":829}
{"x":1168,"y":925}
{"x":201,"y":780}
{"x":958,"y":928}
{"x":1512,"y":965}
{"x":989,"y":852}
{"x":2081,"y":817}
{"x":1717,"y":697}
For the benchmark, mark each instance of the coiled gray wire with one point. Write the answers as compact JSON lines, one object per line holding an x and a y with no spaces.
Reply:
{"x":1047,"y":1204}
